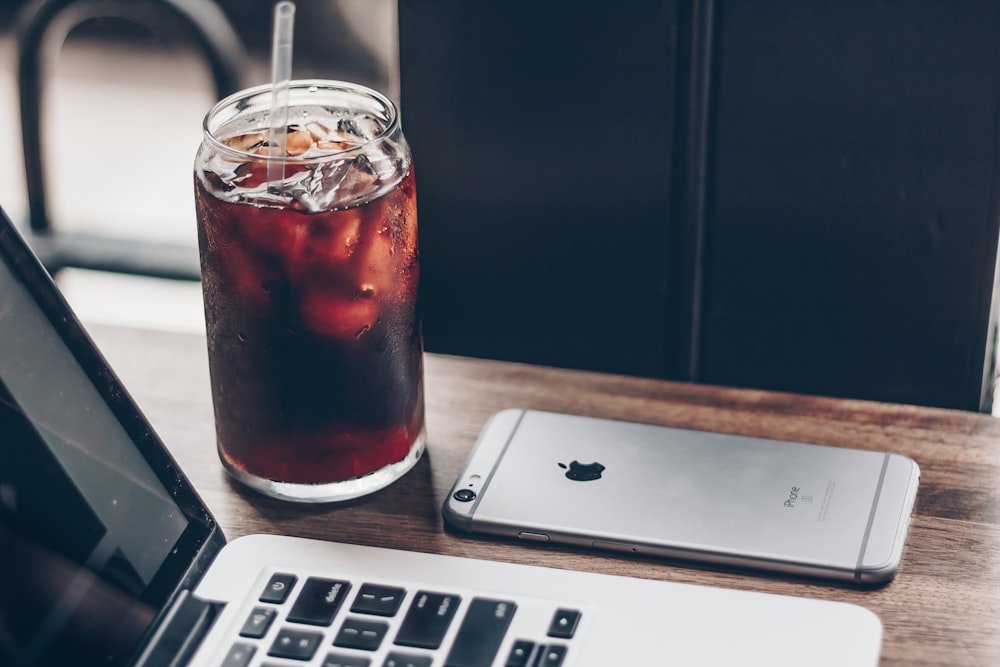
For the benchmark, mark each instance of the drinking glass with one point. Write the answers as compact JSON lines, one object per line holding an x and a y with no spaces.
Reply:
{"x":309,"y":274}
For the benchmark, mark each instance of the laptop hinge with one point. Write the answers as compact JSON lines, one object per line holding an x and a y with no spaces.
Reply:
{"x":181,"y":632}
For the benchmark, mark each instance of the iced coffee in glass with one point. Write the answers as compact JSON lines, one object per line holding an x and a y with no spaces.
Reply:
{"x":309,"y":275}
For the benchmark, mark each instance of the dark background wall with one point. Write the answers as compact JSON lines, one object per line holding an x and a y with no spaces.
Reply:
{"x":543,"y":146}
{"x":792,"y":195}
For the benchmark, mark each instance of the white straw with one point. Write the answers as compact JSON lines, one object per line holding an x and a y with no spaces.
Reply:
{"x":281,"y":75}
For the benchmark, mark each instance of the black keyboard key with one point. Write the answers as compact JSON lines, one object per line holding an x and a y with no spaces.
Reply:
{"x":295,"y":644}
{"x":239,"y":655}
{"x":342,"y":660}
{"x":278,"y":588}
{"x":395,"y":659}
{"x":427,"y":620}
{"x":481,"y":633}
{"x":551,"y":656}
{"x":520,"y":654}
{"x":378,"y":600}
{"x":258,"y":622}
{"x":363,"y":635}
{"x":318,"y":601}
{"x":564,"y":623}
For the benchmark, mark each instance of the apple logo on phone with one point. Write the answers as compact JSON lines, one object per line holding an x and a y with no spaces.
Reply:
{"x":582,"y":472}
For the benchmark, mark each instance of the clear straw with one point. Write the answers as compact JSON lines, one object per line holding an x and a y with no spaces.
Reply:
{"x":281,"y":75}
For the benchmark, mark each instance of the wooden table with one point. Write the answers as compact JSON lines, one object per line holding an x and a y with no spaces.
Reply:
{"x":942,"y":609}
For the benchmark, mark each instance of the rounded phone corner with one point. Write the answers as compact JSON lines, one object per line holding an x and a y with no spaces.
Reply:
{"x":463,"y":498}
{"x":454,"y":517}
{"x":460,"y":504}
{"x":879,"y":567}
{"x":877,"y":575}
{"x":890,"y":525}
{"x":911,"y":466}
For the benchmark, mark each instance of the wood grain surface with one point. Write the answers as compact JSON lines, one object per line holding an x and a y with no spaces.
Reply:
{"x":943,"y":608}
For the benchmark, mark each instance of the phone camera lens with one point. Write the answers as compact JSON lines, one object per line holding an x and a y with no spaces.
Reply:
{"x":464,"y":495}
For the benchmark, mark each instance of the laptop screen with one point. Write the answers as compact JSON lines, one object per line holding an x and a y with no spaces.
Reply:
{"x":97,"y":527}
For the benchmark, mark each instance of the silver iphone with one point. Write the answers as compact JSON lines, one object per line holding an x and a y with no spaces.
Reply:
{"x":788,"y":507}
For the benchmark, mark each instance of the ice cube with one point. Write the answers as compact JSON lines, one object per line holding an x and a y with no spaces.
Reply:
{"x":248,"y":142}
{"x":243,"y":273}
{"x":326,"y":241}
{"x":317,"y":130}
{"x":346,"y":236}
{"x":374,"y":262}
{"x":298,"y":140}
{"x":333,"y":315}
{"x":359,"y":182}
{"x":269,"y":232}
{"x":249,"y":174}
{"x":267,"y":149}
{"x":331,"y":146}
{"x":365,"y":128}
{"x":251,"y":178}
{"x":335,"y":140}
{"x":317,"y":187}
{"x":333,"y":184}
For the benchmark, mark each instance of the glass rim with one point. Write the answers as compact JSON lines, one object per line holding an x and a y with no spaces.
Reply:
{"x":392,"y":126}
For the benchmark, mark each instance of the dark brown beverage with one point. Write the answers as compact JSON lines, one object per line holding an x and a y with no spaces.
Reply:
{"x":313,"y":335}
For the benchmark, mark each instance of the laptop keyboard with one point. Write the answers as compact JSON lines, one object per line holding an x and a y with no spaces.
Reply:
{"x":300,"y":619}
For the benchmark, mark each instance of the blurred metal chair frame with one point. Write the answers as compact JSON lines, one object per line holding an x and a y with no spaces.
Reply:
{"x":45,"y":25}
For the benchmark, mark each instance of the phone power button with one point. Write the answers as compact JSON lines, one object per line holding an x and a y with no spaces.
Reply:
{"x":534,"y":537}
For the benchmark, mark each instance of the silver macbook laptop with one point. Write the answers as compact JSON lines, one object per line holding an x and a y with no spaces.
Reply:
{"x":109,"y":557}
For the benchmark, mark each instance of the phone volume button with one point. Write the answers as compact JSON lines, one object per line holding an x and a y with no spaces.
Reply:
{"x":534,"y":537}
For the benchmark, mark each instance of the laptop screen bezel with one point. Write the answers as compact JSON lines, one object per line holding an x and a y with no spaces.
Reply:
{"x":202,"y":537}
